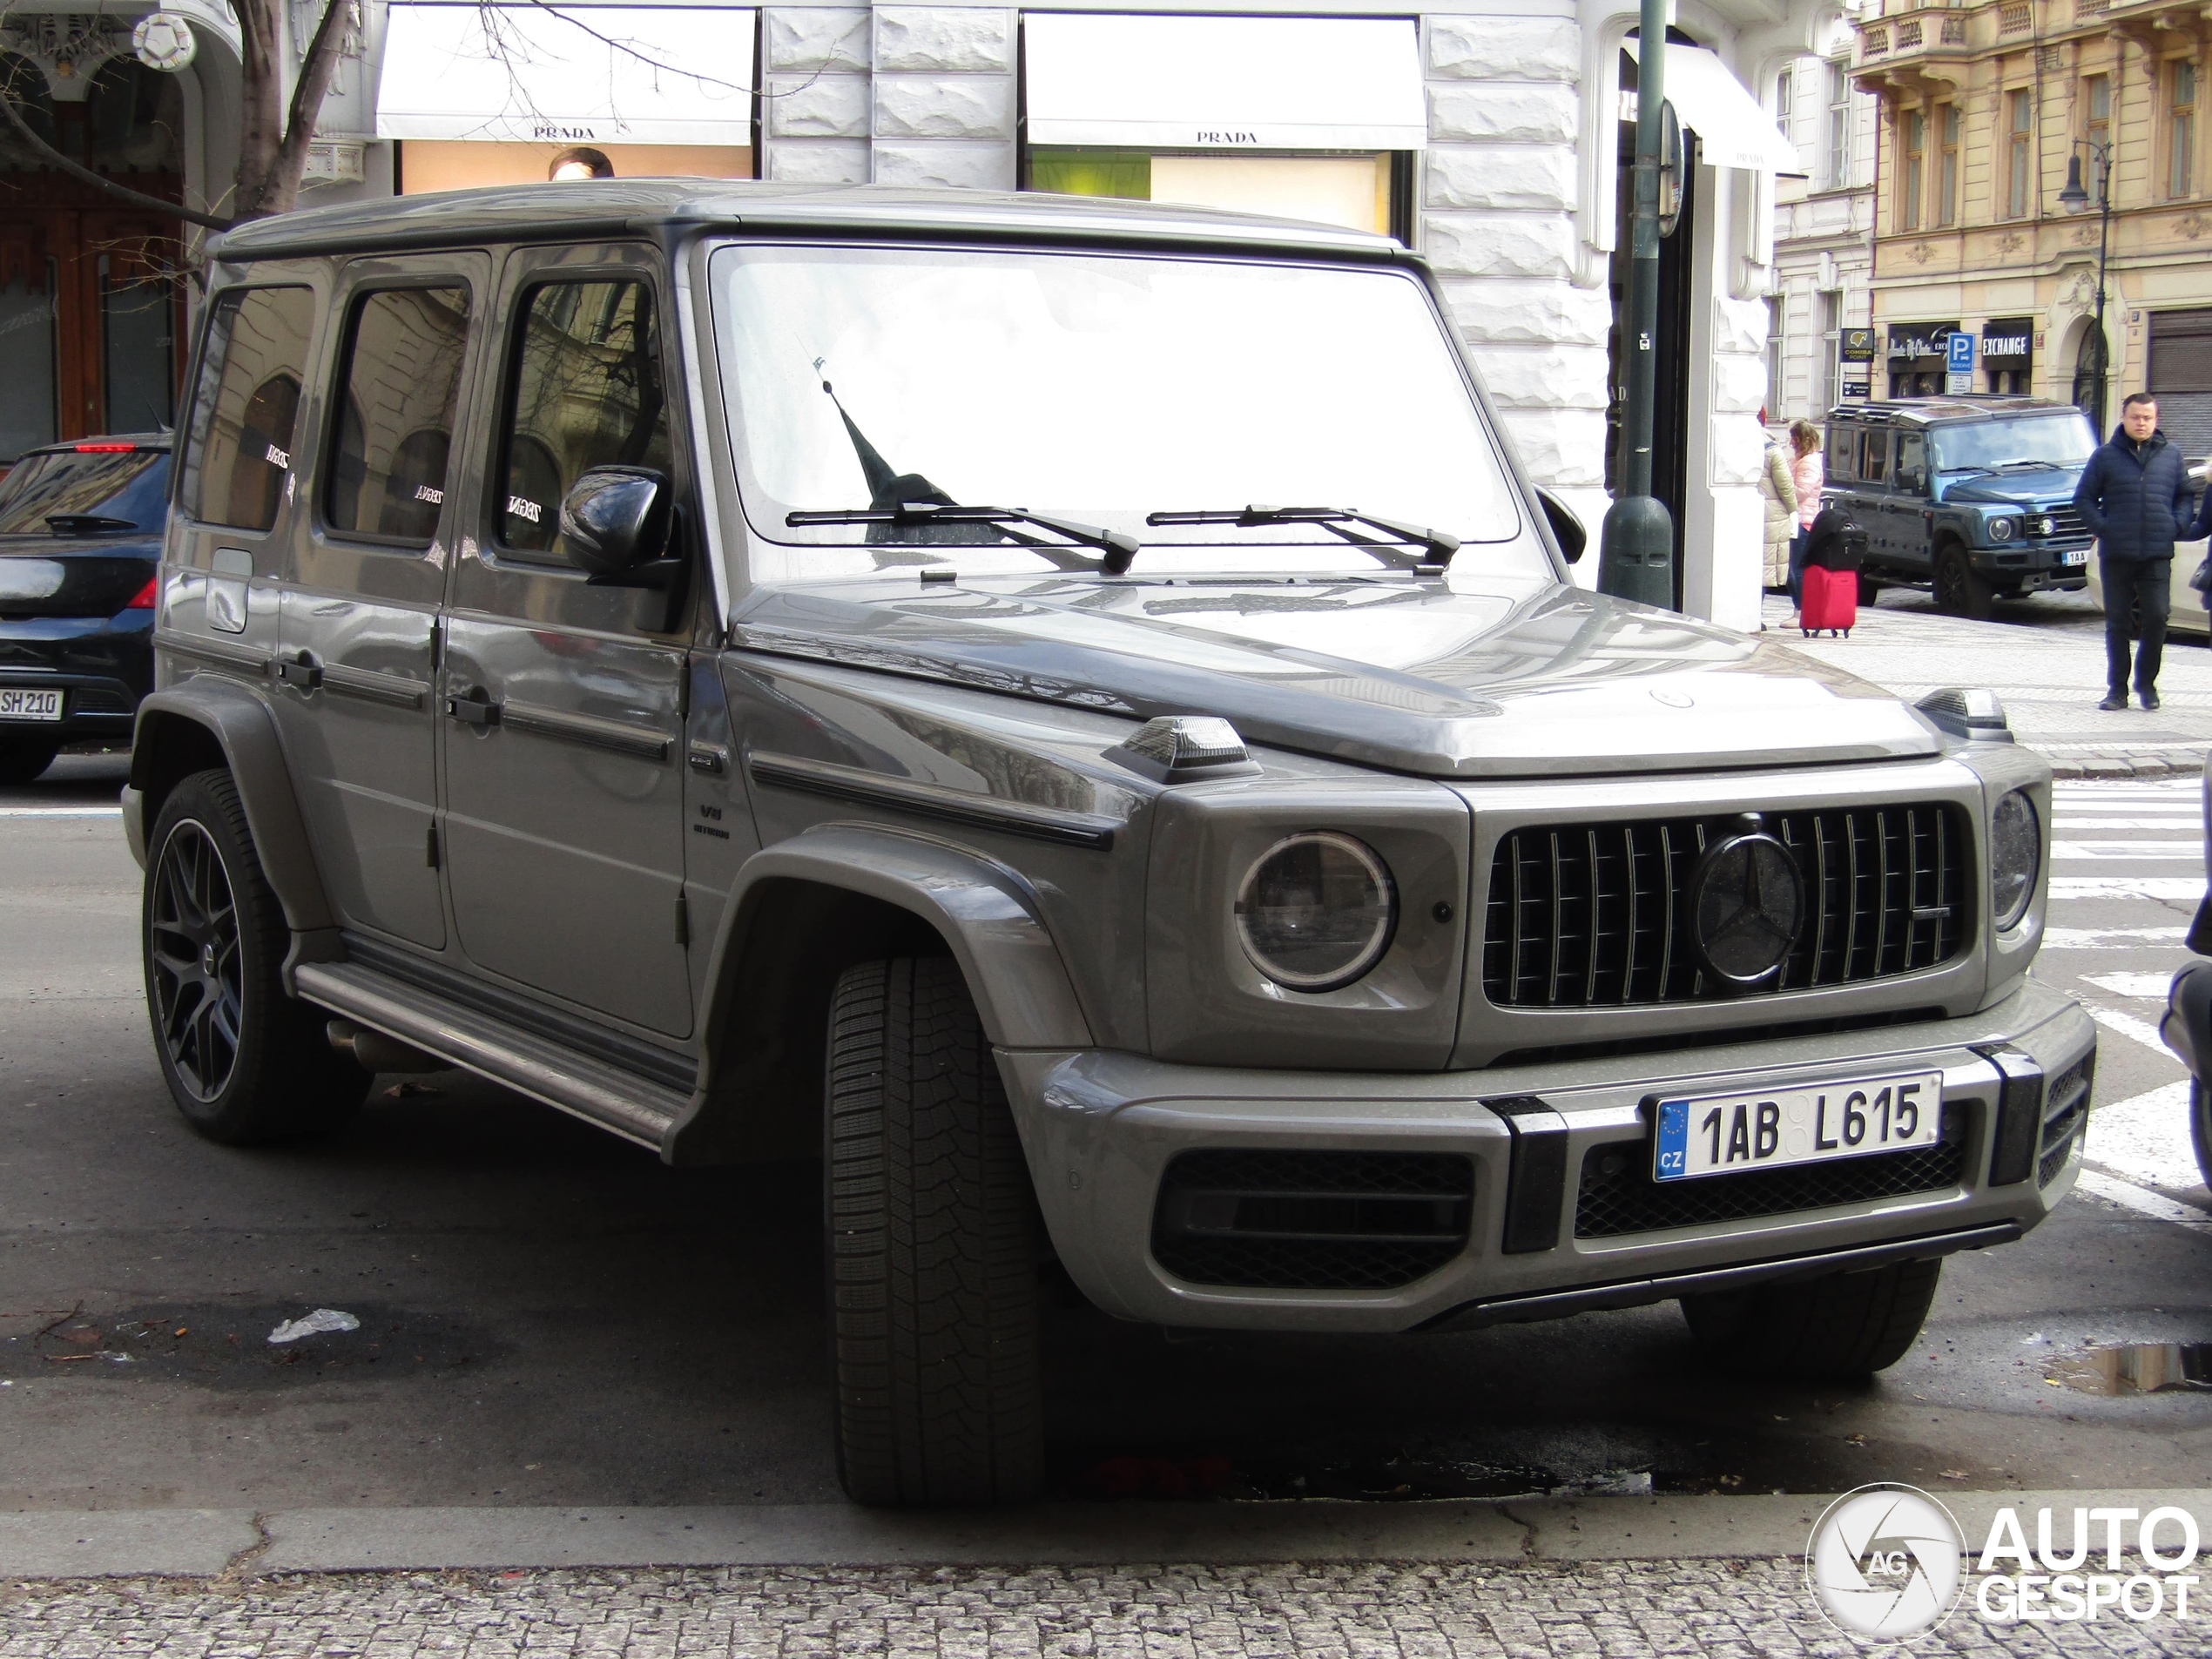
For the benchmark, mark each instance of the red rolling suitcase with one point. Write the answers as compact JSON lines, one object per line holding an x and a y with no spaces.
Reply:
{"x":1829,"y":602}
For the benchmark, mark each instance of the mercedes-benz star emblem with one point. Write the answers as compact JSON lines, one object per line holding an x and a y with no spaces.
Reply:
{"x":1746,"y":903}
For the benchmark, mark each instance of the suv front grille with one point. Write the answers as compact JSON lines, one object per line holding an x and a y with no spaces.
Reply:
{"x":1597,"y":916}
{"x":1311,"y":1220}
{"x":2065,"y":524}
{"x":1618,"y":1196}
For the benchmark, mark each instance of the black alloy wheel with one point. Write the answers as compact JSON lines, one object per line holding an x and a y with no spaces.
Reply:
{"x":1957,"y":590}
{"x":193,"y":961}
{"x":244,"y":1062}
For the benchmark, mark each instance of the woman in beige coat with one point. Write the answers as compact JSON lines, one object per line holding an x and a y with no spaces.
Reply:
{"x":1778,"y":490}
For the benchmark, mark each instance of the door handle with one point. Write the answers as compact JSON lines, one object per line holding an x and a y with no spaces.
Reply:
{"x":475,"y":709}
{"x":303,"y":672}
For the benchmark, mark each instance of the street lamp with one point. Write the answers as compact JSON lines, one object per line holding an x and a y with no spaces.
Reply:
{"x":2075,"y":200}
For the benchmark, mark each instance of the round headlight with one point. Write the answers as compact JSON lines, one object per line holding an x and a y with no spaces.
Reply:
{"x":2015,"y":852}
{"x":2000,"y":530}
{"x":1316,"y":911}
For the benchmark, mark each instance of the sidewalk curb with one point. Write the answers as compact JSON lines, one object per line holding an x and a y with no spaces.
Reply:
{"x":207,"y":1543}
{"x":2134,"y":763}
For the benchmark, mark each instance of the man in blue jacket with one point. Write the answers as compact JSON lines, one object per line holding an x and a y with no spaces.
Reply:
{"x":2135,"y":498}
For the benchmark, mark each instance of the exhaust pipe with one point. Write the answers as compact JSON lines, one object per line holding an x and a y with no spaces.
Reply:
{"x":374,"y":1052}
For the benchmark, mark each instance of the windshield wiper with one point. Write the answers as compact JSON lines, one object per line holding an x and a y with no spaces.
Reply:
{"x":1438,"y":544}
{"x":1118,"y":547}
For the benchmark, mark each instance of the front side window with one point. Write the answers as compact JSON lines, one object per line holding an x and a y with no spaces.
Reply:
{"x":401,"y":375}
{"x":255,"y":363}
{"x":1912,"y":462}
{"x":2020,"y":152}
{"x":1099,"y":389}
{"x":585,"y":391}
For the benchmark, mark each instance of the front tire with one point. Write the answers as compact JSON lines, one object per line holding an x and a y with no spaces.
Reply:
{"x":1958,"y":589}
{"x":1841,"y":1326}
{"x":245,"y":1062}
{"x":930,"y":1251}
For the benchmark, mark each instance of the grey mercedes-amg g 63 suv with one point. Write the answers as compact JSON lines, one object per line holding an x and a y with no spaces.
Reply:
{"x":785,"y":672}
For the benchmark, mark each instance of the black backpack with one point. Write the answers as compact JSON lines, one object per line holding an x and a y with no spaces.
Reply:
{"x":1836,"y":543}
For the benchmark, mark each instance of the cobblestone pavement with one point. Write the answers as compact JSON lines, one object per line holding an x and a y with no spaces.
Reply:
{"x":1612,"y":1610}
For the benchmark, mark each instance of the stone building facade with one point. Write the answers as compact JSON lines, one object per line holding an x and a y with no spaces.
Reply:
{"x":1500,"y":159}
{"x":1982,"y":109}
{"x":1823,"y":231}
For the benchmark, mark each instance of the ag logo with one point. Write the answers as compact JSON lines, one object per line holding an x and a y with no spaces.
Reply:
{"x":1883,"y":1563}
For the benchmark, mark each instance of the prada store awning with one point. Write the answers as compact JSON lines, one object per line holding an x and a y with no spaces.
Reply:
{"x":666,"y":75}
{"x":1112,"y":80}
{"x":1713,"y":104}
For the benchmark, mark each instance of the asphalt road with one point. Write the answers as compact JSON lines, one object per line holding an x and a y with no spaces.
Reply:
{"x":549,"y":1317}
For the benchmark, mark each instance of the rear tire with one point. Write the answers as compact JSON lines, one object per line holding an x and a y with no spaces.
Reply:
{"x":2201,"y":1129}
{"x":1958,"y":589}
{"x":245,"y":1062}
{"x":930,"y":1249}
{"x":1869,"y":592}
{"x":25,"y":760}
{"x":1843,"y":1325}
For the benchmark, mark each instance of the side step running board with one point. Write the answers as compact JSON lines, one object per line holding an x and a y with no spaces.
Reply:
{"x":631,"y":1107}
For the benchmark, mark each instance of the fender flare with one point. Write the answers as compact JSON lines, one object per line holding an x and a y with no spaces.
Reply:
{"x":244,"y":729}
{"x":985,"y":912}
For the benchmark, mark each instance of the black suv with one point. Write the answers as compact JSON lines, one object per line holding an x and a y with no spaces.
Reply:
{"x":1973,"y":496}
{"x":80,"y":539}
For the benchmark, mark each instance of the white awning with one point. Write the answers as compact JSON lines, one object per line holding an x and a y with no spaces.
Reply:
{"x":578,"y":75}
{"x":1152,"y":83}
{"x":1713,"y":104}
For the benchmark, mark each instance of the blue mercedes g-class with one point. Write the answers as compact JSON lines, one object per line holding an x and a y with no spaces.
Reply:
{"x":1973,"y":496}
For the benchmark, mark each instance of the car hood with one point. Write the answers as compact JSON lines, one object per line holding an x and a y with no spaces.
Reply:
{"x":2045,"y":487}
{"x":1509,"y":677}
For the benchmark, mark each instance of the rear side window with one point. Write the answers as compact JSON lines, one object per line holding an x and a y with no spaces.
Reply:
{"x":585,"y":392}
{"x":95,"y":489}
{"x":249,"y":406}
{"x":1874,"y":456}
{"x":401,"y":375}
{"x":1843,"y":453}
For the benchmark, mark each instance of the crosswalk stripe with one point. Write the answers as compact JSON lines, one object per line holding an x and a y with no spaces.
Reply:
{"x":2128,"y":1196}
{"x":60,"y":811}
{"x":2146,"y":1138}
{"x":2064,"y":888}
{"x":2129,"y":1026}
{"x":2121,"y":938}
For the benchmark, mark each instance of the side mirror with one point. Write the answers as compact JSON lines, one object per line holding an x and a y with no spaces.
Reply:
{"x":1566,"y":529}
{"x":615,"y":519}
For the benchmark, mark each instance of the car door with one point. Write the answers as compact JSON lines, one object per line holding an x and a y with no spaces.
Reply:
{"x":563,"y":699}
{"x":358,"y":633}
{"x":1905,"y":512}
{"x":235,"y":489}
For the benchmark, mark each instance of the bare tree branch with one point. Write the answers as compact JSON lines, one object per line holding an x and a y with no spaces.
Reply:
{"x":315,"y":71}
{"x":76,"y":170}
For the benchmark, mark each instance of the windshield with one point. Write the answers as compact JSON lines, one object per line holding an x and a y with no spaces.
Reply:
{"x":129,"y":486}
{"x":1095,"y":388}
{"x":2059,"y":439}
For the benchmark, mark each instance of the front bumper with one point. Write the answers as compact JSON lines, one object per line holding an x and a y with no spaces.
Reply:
{"x":2035,"y":566}
{"x":1101,"y":1130}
